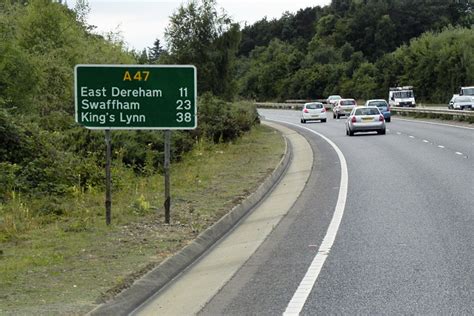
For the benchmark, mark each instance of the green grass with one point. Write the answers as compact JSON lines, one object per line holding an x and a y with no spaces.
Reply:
{"x":58,"y":257}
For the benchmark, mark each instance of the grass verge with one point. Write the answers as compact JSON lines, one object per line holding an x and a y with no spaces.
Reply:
{"x":66,"y":264}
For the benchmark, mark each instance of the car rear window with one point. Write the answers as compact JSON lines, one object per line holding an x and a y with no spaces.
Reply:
{"x":348,"y":102}
{"x":378,"y":104}
{"x":314,"y":106}
{"x":367,"y":111}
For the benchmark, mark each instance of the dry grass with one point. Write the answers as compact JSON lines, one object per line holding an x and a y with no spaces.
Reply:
{"x":65,"y":264}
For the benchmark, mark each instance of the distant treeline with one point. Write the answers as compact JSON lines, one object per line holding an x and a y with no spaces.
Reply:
{"x":359,"y":49}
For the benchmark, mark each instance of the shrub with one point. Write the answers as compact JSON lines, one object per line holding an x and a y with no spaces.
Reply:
{"x":220,"y":121}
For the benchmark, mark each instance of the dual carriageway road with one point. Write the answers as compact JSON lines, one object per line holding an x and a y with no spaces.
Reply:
{"x":404,"y":242}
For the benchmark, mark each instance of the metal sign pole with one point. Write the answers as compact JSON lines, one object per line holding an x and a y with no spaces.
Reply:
{"x":167,"y":175}
{"x":108,"y":198}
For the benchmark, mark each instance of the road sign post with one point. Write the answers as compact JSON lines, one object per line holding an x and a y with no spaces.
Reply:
{"x":108,"y":178}
{"x":136,"y":97}
{"x":167,"y":203}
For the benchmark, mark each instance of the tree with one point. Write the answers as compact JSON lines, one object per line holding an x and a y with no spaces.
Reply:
{"x":269,"y":70}
{"x":200,"y":35}
{"x":142,"y":58}
{"x":155,"y":52}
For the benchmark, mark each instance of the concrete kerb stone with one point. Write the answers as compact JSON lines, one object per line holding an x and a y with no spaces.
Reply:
{"x":145,"y":287}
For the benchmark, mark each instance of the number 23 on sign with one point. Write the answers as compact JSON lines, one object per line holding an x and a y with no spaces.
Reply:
{"x":137,"y":76}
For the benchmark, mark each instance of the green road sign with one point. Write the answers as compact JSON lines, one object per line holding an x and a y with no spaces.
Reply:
{"x":136,"y":96}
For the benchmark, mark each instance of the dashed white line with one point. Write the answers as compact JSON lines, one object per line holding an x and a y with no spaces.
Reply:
{"x":441,"y":146}
{"x":425,"y":141}
{"x":411,"y":136}
{"x":458,"y":153}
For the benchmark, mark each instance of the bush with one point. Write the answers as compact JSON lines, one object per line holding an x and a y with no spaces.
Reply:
{"x":8,"y":182}
{"x":222,"y":122}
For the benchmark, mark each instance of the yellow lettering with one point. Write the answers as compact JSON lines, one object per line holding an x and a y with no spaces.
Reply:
{"x":138,"y":76}
{"x":147,"y":73}
{"x":127,"y":77}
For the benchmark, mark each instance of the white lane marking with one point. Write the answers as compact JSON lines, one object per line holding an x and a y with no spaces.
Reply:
{"x":434,"y":123}
{"x":411,"y":136}
{"x":425,"y":141}
{"x":299,"y":298}
{"x":440,"y":146}
{"x":458,"y":153}
{"x":398,"y":133}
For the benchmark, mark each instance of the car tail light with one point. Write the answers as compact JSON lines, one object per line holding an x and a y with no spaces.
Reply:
{"x":305,"y":110}
{"x":381,"y":119}
{"x":323,"y":110}
{"x":353,"y":120}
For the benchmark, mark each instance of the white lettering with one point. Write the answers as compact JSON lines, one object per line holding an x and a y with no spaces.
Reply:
{"x":86,"y":92}
{"x":137,"y":93}
{"x":132,"y":118}
{"x":88,"y":117}
{"x":109,"y":105}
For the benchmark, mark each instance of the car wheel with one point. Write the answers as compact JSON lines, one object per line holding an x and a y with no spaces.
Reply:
{"x":303,"y":121}
{"x":381,"y":132}
{"x":388,"y":120}
{"x":333,"y":115}
{"x":323,"y":121}
{"x":351,"y":133}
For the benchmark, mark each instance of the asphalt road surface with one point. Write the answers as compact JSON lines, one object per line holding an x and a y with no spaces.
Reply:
{"x":405,"y":241}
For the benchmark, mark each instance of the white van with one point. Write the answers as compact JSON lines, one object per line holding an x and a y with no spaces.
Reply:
{"x":401,"y":96}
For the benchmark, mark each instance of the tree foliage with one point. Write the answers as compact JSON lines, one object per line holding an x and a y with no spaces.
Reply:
{"x":437,"y":64}
{"x":200,"y":35}
{"x":359,"y":48}
{"x":42,"y":150}
{"x":155,"y":52}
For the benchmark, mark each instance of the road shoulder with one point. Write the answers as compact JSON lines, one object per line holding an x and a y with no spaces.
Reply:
{"x":194,"y":288}
{"x":156,"y":279}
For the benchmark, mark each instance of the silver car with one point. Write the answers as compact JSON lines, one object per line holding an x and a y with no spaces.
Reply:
{"x":365,"y":119}
{"x":461,"y":103}
{"x":343,"y":107}
{"x":332,"y":99}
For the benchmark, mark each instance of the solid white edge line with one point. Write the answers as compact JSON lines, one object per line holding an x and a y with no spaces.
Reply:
{"x":299,"y":298}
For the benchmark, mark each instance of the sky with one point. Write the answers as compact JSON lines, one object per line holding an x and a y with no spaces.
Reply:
{"x":140,"y":23}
